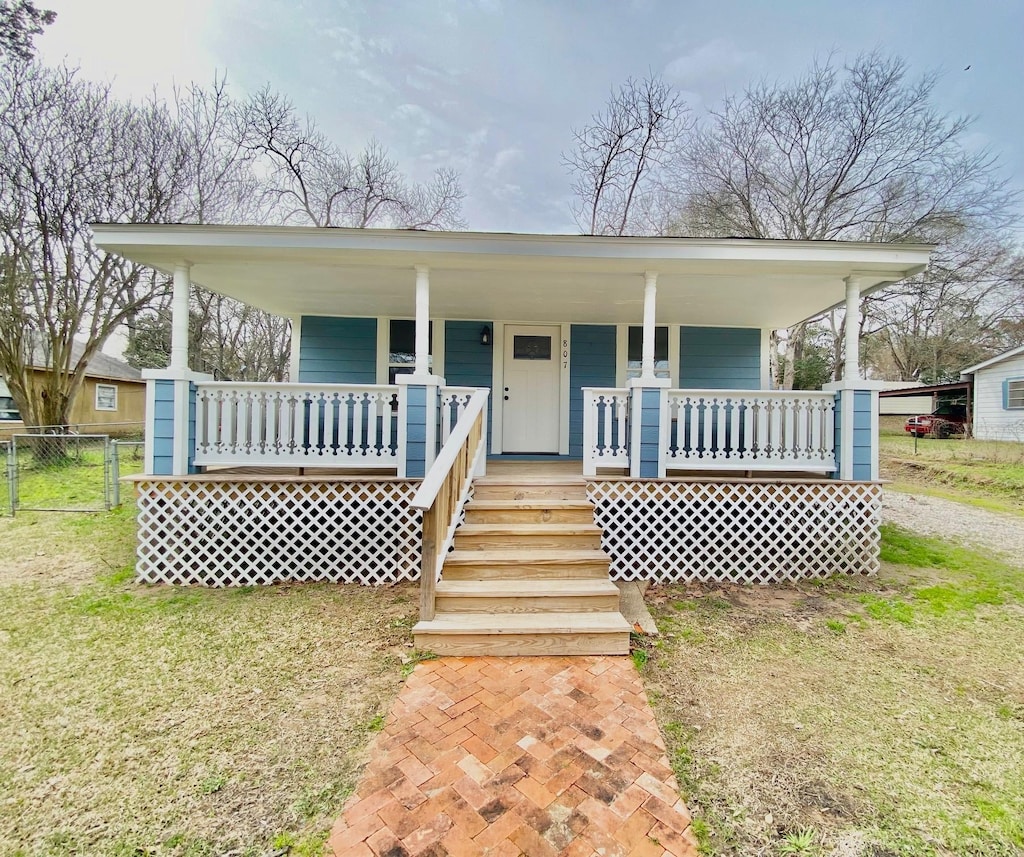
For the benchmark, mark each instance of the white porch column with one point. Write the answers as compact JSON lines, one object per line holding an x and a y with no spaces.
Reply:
{"x":851,"y":364}
{"x":422,"y":366}
{"x":650,"y":299}
{"x":179,"y":317}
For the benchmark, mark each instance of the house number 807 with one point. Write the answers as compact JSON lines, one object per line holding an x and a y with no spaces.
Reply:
{"x":565,"y":353}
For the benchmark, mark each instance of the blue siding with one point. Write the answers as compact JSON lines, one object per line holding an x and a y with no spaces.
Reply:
{"x":591,"y":364}
{"x":338,"y":350}
{"x":862,"y":436}
{"x":467,"y":363}
{"x":650,"y":419}
{"x":720,"y":358}
{"x":416,"y":432}
{"x":163,"y":428}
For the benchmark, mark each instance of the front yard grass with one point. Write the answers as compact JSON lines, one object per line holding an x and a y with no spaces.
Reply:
{"x":155,"y":720}
{"x":856,"y":717}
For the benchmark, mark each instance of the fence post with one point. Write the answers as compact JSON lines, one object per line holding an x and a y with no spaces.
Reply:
{"x":12,"y":476}
{"x":115,"y":473}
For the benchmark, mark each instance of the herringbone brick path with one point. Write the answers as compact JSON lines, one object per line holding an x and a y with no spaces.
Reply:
{"x":504,"y":756}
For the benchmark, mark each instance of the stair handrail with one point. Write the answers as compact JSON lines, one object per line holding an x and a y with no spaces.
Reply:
{"x":444,"y":491}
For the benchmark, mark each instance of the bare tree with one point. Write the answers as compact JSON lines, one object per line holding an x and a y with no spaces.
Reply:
{"x":71,"y":155}
{"x":620,"y":156}
{"x":20,"y":23}
{"x":310,"y":180}
{"x":856,"y":153}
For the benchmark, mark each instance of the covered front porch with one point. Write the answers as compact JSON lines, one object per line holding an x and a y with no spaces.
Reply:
{"x":634,"y":372}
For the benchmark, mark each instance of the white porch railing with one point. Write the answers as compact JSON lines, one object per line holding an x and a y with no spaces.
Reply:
{"x":304,"y":425}
{"x":750,"y":430}
{"x":453,"y":404}
{"x":605,"y":428}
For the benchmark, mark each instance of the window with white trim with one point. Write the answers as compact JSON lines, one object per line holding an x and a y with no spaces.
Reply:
{"x":1015,"y":393}
{"x":106,"y":397}
{"x":635,"y":352}
{"x":402,"y":347}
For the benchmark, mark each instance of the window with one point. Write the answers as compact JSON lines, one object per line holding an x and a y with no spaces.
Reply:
{"x":531,"y":348}
{"x":402,"y":347}
{"x":1015,"y":393}
{"x":106,"y":397}
{"x":7,"y":409}
{"x":636,"y":350}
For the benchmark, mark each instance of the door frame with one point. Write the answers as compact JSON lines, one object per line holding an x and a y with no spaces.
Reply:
{"x":498,"y":381}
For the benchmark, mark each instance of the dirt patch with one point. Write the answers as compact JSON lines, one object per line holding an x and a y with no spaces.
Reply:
{"x":36,"y":549}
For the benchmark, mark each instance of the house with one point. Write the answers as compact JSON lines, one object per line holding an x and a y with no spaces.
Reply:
{"x":998,"y":402}
{"x":112,"y":399}
{"x":516,"y":420}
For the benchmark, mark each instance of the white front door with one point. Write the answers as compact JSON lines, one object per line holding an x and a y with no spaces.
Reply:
{"x":532,"y":394}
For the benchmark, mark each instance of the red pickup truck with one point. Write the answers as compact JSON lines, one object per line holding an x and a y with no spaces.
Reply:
{"x":944,"y":421}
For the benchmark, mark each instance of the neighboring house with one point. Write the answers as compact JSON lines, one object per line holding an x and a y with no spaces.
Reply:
{"x":999,"y":396}
{"x":634,"y":372}
{"x":112,"y":398}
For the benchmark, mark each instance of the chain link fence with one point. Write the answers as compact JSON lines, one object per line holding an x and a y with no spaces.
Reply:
{"x":65,"y":471}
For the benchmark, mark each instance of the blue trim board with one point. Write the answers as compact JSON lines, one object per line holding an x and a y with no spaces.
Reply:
{"x":720,"y":358}
{"x":338,"y":350}
{"x":591,"y":364}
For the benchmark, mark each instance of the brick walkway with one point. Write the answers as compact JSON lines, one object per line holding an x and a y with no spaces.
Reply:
{"x":504,"y":756}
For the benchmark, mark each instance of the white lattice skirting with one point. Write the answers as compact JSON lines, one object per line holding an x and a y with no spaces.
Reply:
{"x":214,"y":533}
{"x":745,"y":532}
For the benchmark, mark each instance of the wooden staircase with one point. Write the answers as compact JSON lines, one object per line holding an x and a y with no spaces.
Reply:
{"x":527,"y":576}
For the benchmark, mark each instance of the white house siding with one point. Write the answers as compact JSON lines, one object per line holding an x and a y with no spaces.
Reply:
{"x":991,"y":420}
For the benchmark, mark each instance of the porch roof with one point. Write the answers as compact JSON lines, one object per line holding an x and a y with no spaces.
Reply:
{"x":294,"y":271}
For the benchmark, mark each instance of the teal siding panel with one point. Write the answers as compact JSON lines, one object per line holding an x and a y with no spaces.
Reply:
{"x":591,"y":364}
{"x":338,"y":350}
{"x":720,"y":358}
{"x":467,"y":363}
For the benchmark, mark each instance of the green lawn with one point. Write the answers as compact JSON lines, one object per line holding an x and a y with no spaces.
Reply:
{"x":142,"y":720}
{"x":976,"y":471}
{"x":854,"y":717}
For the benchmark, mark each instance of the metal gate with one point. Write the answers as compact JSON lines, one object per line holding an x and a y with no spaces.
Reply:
{"x":59,"y":473}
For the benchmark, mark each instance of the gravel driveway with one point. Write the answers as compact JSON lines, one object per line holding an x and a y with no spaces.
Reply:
{"x":934,"y":516}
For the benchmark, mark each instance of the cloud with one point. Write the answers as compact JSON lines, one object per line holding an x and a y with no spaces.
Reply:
{"x":711,"y":62}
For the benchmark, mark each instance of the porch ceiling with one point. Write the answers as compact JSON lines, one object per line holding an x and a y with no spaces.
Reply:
{"x":295,"y":271}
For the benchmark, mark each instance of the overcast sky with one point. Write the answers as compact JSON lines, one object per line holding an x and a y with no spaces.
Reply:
{"x":493,"y":88}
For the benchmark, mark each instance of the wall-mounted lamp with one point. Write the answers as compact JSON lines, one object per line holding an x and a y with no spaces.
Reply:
{"x":485,"y":335}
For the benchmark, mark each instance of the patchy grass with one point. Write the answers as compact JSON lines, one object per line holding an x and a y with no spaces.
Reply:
{"x":989,"y":474}
{"x":169,"y":721}
{"x":855,"y":717}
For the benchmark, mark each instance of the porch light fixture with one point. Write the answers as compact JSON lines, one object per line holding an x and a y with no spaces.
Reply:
{"x":485,"y":335}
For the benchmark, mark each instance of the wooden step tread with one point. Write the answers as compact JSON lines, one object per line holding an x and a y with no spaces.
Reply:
{"x":531,"y":480}
{"x":554,"y":587}
{"x":531,"y":503}
{"x":529,"y":528}
{"x":546,"y":556}
{"x":524,"y":623}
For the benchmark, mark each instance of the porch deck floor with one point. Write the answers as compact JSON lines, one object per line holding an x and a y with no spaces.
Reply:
{"x":529,"y":755}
